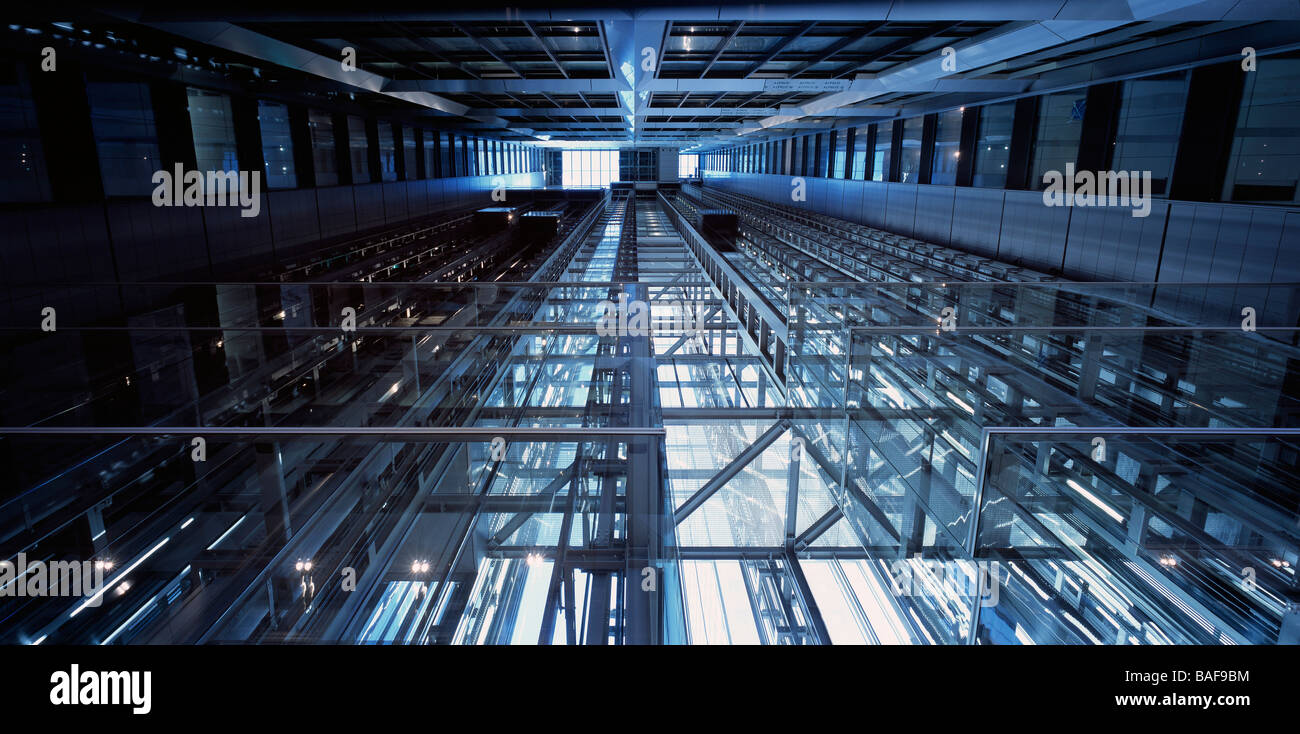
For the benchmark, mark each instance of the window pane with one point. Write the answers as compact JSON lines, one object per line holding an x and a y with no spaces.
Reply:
{"x":587,"y":169}
{"x":277,"y":145}
{"x":23,"y":176}
{"x":214,"y":131}
{"x":408,"y":153}
{"x":841,"y":153}
{"x":121,"y":114}
{"x":321,"y":127}
{"x":884,"y":148}
{"x":1060,"y":123}
{"x":1266,"y":147}
{"x":993,"y":145}
{"x":358,"y":150}
{"x":860,"y":153}
{"x":432,"y":157}
{"x":387,"y":152}
{"x":1150,"y":118}
{"x":910,"y":155}
{"x":947,"y":139}
{"x":687,"y":164}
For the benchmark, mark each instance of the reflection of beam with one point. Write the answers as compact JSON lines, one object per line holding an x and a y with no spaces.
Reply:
{"x":722,"y":45}
{"x":542,"y":42}
{"x":679,"y":110}
{"x":604,"y":50}
{"x":488,"y":49}
{"x":702,"y":13}
{"x":730,"y":470}
{"x":450,"y":434}
{"x":815,"y":531}
{"x":792,"y":495}
{"x":432,"y":50}
{"x":498,"y":504}
{"x":778,"y":48}
{"x":871,"y":86}
{"x":893,"y":48}
{"x":255,"y":45}
{"x":833,"y":469}
{"x":835,"y":48}
{"x":518,"y":520}
{"x":839,"y":552}
{"x":809,"y":603}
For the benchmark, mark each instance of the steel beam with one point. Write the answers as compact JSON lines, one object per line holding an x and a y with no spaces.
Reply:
{"x":734,"y":467}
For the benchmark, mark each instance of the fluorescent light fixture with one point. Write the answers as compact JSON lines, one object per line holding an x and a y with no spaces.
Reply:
{"x":118,"y":578}
{"x":228,"y":532}
{"x":130,"y":620}
{"x":1095,"y":500}
{"x":962,"y":403}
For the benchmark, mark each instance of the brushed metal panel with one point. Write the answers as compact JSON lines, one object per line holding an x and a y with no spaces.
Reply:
{"x":1110,"y":244}
{"x":854,"y":193}
{"x":158,"y":242}
{"x":933,"y":217}
{"x":900,"y":208}
{"x":1033,"y":234}
{"x":235,"y":242}
{"x":294,"y":219}
{"x":393,"y":196}
{"x":337,"y":210}
{"x":874,"y":206}
{"x":977,"y":220}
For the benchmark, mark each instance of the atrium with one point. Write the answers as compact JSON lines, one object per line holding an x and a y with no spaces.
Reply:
{"x":909,"y":323}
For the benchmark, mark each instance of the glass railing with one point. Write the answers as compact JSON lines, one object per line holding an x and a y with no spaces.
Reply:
{"x":1140,"y":535}
{"x":1115,"y":463}
{"x":242,"y":510}
{"x":1126,"y":466}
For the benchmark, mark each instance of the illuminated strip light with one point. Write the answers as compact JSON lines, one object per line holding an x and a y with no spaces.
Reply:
{"x":40,"y":639}
{"x":1023,"y":636}
{"x":1037,"y":589}
{"x":149,"y":605}
{"x":1094,"y":499}
{"x":1177,"y":602}
{"x":921,"y":625}
{"x":1070,"y":618}
{"x":958,"y":445}
{"x":964,"y":405}
{"x":1102,"y":612}
{"x":119,"y":577}
{"x":228,"y":532}
{"x":19,"y":577}
{"x":186,"y":524}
